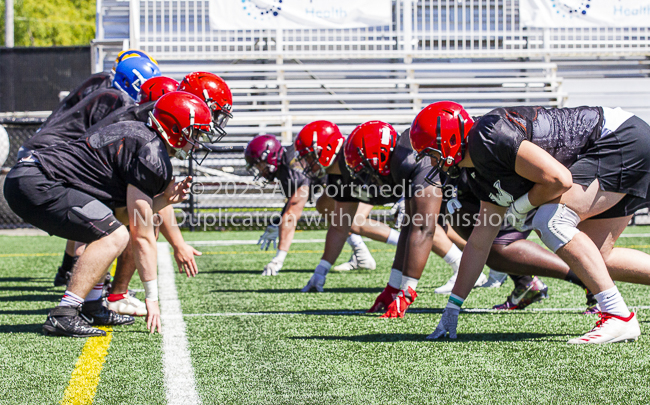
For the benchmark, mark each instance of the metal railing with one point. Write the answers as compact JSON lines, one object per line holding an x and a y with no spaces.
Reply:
{"x":180,"y":30}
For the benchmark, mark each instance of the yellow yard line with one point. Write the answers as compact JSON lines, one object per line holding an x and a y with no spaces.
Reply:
{"x":28,"y":254}
{"x":85,"y":377}
{"x":264,"y":252}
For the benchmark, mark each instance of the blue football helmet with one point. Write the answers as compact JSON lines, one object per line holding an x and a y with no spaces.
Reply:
{"x":131,"y":73}
{"x":131,"y":53}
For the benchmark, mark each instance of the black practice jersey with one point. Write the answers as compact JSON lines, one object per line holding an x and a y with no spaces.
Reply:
{"x":75,"y":121}
{"x":130,"y":112}
{"x":101,"y":80}
{"x":407,"y":176}
{"x":289,"y":178}
{"x":494,"y":140}
{"x":103,"y":163}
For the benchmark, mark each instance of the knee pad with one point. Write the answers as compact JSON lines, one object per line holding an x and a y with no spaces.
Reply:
{"x":557,"y":225}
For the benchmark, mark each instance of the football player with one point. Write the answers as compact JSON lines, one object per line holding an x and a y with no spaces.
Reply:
{"x":586,"y":170}
{"x":71,"y":189}
{"x":268,"y":160}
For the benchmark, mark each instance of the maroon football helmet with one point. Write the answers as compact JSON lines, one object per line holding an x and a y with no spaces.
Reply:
{"x":263,"y":155}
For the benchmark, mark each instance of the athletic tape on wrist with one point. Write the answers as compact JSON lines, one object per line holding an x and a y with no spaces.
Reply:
{"x":522,"y":204}
{"x":456,"y":300}
{"x":151,"y":290}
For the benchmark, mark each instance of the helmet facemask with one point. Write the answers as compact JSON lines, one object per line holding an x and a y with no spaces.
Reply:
{"x":439,"y":160}
{"x":262,"y":171}
{"x":220,"y":116}
{"x":197,"y":135}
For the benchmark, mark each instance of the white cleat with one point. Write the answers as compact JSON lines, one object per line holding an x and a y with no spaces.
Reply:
{"x":449,"y":285}
{"x":611,"y":329}
{"x":128,"y":306}
{"x":495,"y":279}
{"x":360,"y":259}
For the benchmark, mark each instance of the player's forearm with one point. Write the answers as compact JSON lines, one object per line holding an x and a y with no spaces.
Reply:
{"x":474,"y":258}
{"x":145,"y":255}
{"x":287,"y":230}
{"x":542,"y":193}
{"x":160,"y":202}
{"x":169,"y":227}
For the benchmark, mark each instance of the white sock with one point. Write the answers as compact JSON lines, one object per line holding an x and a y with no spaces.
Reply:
{"x":96,"y":293}
{"x":408,"y":282}
{"x":393,"y":237}
{"x":355,"y":241}
{"x":70,"y":299}
{"x":280,"y":255}
{"x":323,"y":267}
{"x":453,"y":257}
{"x":395,"y":279}
{"x":611,"y":301}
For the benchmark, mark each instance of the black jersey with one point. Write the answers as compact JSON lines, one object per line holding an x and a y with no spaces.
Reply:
{"x":290,"y":178}
{"x":130,"y":112}
{"x":74,"y":122}
{"x":101,"y":80}
{"x":493,"y":142}
{"x":102,"y":164}
{"x":407,"y":176}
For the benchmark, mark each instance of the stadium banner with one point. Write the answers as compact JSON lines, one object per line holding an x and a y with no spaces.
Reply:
{"x":299,"y":14}
{"x":584,"y":13}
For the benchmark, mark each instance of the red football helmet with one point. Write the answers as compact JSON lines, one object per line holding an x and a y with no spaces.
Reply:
{"x":215,"y":92}
{"x":368,"y":151}
{"x":181,"y":118}
{"x":317,"y":146}
{"x":155,"y":87}
{"x":439,"y":132}
{"x":263,"y":155}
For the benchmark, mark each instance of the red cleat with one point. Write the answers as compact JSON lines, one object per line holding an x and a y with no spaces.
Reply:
{"x":398,"y":307}
{"x":384,"y":299}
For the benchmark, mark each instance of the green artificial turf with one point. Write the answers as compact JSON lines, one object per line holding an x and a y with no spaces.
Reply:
{"x":297,"y":349}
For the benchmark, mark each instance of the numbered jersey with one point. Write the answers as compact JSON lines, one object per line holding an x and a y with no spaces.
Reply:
{"x":103,"y":163}
{"x":493,"y":142}
{"x":407,"y":176}
{"x":75,"y":121}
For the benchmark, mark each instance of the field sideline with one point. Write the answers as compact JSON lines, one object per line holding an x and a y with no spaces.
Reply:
{"x":257,"y":340}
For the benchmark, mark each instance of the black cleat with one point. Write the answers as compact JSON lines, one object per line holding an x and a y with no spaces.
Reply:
{"x":97,"y":314}
{"x":62,"y":277}
{"x":66,"y":321}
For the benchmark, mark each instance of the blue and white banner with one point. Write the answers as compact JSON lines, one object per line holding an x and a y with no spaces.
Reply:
{"x":292,"y":14}
{"x":584,"y":13}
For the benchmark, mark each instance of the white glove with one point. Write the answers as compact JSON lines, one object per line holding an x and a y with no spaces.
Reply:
{"x":273,"y":267}
{"x":517,"y":219}
{"x":448,"y":323}
{"x":397,"y":211}
{"x":453,"y":205}
{"x":315,"y":284}
{"x":270,"y":235}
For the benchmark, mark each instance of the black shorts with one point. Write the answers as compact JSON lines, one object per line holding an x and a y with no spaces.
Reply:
{"x":620,"y":161}
{"x":55,"y":208}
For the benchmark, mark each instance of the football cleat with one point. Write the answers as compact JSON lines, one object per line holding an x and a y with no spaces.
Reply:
{"x":315,"y":284}
{"x":495,"y":279}
{"x":128,"y":305}
{"x":611,"y":329}
{"x":360,"y":259}
{"x":62,"y":277}
{"x":66,"y":321}
{"x":97,"y":314}
{"x":520,"y":298}
{"x":400,"y":304}
{"x":449,"y":285}
{"x":592,"y":304}
{"x":384,"y":299}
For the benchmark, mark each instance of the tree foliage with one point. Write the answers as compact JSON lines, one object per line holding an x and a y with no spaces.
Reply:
{"x":51,"y":22}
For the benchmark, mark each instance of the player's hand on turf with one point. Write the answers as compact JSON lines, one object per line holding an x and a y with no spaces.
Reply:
{"x":269,"y":236}
{"x":448,"y":323}
{"x":184,"y":256}
{"x":178,"y":192}
{"x":315,"y":284}
{"x":453,"y":205}
{"x":273,"y":268}
{"x":153,"y":315}
{"x":517,"y":219}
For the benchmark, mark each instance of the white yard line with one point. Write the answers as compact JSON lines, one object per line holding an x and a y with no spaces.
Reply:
{"x":179,"y":374}
{"x":411,"y":311}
